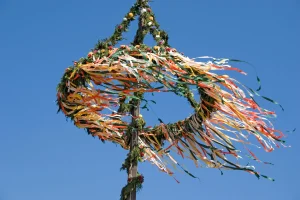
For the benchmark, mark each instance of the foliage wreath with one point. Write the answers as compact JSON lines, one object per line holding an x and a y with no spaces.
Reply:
{"x":112,"y":78}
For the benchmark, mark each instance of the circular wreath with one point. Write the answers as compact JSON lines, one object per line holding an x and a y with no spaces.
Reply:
{"x":99,"y":91}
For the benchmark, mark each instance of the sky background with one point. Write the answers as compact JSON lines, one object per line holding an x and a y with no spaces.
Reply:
{"x":44,"y":157}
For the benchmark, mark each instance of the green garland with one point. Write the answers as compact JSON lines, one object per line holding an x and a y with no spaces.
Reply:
{"x":134,"y":156}
{"x":149,"y":25}
{"x":133,"y":183}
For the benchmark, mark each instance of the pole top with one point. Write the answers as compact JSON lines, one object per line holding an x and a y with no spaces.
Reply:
{"x":147,"y":24}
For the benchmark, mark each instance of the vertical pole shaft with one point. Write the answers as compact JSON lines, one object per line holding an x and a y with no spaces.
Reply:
{"x":135,"y":111}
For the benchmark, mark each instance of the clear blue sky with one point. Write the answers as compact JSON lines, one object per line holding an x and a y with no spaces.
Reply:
{"x":43,"y":157}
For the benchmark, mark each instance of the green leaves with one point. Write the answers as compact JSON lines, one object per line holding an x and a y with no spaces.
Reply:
{"x":135,"y":182}
{"x":132,"y":184}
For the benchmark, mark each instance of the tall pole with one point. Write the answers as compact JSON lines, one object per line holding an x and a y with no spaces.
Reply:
{"x":135,"y":109}
{"x":132,"y":172}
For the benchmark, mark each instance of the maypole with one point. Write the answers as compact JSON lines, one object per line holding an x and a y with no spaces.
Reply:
{"x":114,"y":80}
{"x":135,"y":109}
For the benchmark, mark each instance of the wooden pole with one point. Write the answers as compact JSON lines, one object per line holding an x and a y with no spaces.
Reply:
{"x":135,"y":110}
{"x":132,"y":172}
